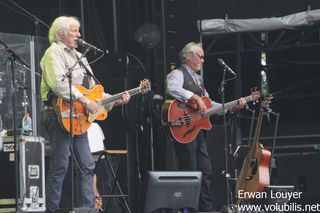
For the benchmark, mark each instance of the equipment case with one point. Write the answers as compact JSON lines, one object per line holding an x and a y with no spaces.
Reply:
{"x":31,"y":172}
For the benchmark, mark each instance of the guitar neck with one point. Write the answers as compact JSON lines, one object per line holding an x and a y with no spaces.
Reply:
{"x":227,"y":106}
{"x":256,"y":135}
{"x":118,"y":96}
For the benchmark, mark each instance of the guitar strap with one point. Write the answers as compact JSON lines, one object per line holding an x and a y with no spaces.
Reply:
{"x":51,"y":99}
{"x":88,"y":71}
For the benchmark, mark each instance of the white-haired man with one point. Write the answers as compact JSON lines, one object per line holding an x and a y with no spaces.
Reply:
{"x":186,"y":84}
{"x":58,"y":58}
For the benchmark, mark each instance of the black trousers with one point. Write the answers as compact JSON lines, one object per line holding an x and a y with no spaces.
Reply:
{"x":194,"y":156}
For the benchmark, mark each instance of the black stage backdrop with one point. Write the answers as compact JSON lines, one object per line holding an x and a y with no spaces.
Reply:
{"x":112,"y":27}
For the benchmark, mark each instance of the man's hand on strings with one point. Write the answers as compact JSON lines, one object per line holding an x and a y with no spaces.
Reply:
{"x":124,"y":99}
{"x":200,"y":103}
{"x":241,"y":103}
{"x":91,"y":106}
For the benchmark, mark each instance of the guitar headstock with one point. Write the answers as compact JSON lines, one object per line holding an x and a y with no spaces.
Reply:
{"x":265,"y":104}
{"x":255,"y":95}
{"x":145,"y":86}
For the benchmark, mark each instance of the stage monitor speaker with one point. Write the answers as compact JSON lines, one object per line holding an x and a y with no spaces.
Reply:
{"x":271,"y":190}
{"x":172,"y":190}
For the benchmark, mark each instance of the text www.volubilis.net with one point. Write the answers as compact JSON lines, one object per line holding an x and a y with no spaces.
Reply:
{"x":286,"y":207}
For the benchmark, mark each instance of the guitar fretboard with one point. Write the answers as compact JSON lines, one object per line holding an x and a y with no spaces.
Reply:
{"x":118,"y":96}
{"x":229,"y":105}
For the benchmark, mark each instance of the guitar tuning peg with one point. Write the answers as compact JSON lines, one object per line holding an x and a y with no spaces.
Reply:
{"x":254,"y":89}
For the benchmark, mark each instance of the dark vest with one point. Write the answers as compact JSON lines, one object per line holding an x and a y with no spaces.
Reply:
{"x":190,"y":84}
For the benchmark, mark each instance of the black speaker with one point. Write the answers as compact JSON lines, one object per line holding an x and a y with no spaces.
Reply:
{"x":172,"y":190}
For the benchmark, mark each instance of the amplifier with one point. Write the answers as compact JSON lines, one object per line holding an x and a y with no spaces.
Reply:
{"x":31,"y":195}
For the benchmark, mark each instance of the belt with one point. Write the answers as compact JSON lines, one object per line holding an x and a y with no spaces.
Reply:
{"x":46,"y":105}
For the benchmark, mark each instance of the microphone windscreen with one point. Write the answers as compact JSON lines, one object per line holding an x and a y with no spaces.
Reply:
{"x":220,"y":61}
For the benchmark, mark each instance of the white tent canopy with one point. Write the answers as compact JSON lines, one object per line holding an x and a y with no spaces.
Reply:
{"x":216,"y":26}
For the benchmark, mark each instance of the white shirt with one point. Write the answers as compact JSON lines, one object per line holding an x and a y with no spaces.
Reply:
{"x":175,"y":88}
{"x":96,"y":138}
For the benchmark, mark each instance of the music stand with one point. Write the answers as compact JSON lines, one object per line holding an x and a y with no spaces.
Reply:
{"x":172,"y":190}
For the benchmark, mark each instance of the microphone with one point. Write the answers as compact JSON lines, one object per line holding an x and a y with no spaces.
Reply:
{"x":87,"y":45}
{"x":221,"y":62}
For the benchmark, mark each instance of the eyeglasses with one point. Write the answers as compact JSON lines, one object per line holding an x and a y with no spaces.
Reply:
{"x":200,"y":56}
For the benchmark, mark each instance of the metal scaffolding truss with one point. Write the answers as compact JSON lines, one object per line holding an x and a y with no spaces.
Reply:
{"x":292,"y":62}
{"x":279,"y":40}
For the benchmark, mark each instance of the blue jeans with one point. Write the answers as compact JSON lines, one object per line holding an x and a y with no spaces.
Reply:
{"x":59,"y":161}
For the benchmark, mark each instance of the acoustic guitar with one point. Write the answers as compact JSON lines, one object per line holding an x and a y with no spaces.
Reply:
{"x":81,"y":118}
{"x":184,"y":120}
{"x":254,"y":175}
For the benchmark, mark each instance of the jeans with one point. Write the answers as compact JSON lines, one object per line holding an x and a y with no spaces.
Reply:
{"x":59,"y":161}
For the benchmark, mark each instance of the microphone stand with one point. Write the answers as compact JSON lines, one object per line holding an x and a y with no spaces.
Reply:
{"x":35,"y":18}
{"x":15,"y":142}
{"x":13,"y":57}
{"x":37,"y":53}
{"x":227,"y":175}
{"x":71,"y":135}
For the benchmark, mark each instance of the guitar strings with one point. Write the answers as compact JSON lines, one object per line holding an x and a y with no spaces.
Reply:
{"x":198,"y":115}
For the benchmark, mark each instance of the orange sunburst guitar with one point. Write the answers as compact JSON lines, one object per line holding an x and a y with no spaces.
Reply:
{"x":184,"y":120}
{"x":83,"y":119}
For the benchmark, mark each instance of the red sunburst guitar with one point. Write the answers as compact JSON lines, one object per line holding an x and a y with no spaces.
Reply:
{"x":83,"y":119}
{"x":184,"y":121}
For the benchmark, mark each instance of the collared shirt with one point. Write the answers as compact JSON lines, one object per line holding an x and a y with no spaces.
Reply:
{"x":55,"y":63}
{"x":175,"y":88}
